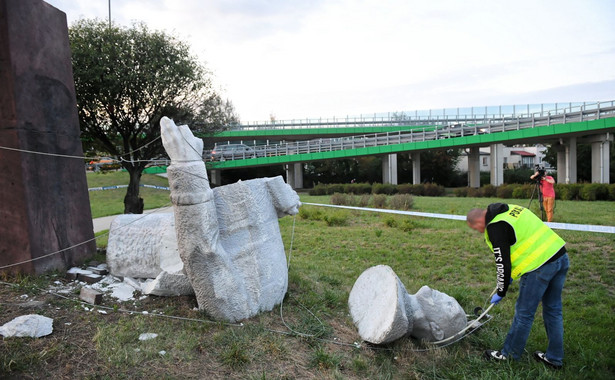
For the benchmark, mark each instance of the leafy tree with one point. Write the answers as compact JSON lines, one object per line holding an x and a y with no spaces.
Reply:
{"x":126,"y":80}
{"x":437,"y":166}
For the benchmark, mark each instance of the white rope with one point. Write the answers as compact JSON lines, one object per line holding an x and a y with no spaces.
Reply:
{"x":80,"y":157}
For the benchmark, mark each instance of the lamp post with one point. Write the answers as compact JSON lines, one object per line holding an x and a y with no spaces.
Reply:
{"x":109,"y":13}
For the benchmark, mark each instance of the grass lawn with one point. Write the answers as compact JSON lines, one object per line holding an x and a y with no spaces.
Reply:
{"x":325,"y":260}
{"x":111,"y":202}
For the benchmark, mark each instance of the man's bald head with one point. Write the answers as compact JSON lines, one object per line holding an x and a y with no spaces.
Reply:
{"x":476,"y":219}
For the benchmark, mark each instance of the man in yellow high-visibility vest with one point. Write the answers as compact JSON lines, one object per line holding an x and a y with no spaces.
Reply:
{"x":524,"y":247}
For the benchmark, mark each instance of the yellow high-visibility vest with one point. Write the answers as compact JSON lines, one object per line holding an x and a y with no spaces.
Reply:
{"x":535,"y":243}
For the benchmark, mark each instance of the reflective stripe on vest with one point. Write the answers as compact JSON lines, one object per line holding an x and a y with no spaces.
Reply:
{"x":535,"y":243}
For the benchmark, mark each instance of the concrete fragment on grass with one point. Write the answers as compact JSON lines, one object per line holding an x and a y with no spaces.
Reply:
{"x":31,"y":325}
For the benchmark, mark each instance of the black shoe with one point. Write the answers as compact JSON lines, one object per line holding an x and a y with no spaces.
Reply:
{"x":494,"y":355}
{"x":542,"y":357}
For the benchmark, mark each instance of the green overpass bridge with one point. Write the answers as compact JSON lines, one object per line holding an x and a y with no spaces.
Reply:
{"x":292,"y":143}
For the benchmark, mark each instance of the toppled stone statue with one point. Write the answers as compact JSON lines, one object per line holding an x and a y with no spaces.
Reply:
{"x":383,"y":311}
{"x":223,"y":244}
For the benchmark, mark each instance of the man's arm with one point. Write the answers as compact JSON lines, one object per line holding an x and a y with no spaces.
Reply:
{"x":499,"y":237}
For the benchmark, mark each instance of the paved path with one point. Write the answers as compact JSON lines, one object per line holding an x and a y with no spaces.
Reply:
{"x":101,"y":224}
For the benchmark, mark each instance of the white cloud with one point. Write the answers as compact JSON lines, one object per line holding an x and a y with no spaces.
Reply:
{"x":336,"y":57}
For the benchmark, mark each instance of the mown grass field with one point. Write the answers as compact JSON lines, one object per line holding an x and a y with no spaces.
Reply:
{"x":111,"y":202}
{"x":330,"y":249}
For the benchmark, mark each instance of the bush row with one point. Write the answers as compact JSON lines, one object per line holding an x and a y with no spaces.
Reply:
{"x":428,"y":189}
{"x":573,"y":191}
{"x":396,"y":201}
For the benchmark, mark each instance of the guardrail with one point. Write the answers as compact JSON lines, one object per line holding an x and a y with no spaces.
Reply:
{"x":441,"y":116}
{"x":450,"y":130}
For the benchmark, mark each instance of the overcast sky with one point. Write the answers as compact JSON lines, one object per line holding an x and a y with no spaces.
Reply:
{"x":322,"y":58}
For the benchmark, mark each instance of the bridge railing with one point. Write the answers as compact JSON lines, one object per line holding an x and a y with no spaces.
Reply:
{"x":425,"y":133}
{"x":440,"y":116}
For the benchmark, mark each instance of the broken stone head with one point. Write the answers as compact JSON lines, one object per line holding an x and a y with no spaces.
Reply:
{"x":383,"y":311}
{"x":224,"y":244}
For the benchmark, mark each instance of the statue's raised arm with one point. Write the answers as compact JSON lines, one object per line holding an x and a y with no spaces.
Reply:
{"x":179,"y":142}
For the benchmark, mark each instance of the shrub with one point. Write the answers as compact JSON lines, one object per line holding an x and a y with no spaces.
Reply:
{"x":461,"y":191}
{"x":611,"y":192}
{"x":384,"y":188}
{"x":523,"y":191}
{"x":333,"y":188}
{"x":390,"y":221}
{"x":358,"y":188}
{"x":319,"y":189}
{"x":339,"y":199}
{"x":404,"y":188}
{"x":310,"y":213}
{"x":379,"y":201}
{"x":352,"y":200}
{"x":363,"y":200}
{"x":417,"y":189}
{"x":407,"y":225}
{"x":337,"y":218}
{"x":594,"y":191}
{"x":506,"y":191}
{"x":571,"y":191}
{"x":433,"y":190}
{"x":475,"y":192}
{"x":401,"y":201}
{"x":489,"y":191}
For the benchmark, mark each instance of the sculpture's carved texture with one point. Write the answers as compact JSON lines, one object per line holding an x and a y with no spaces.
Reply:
{"x":229,"y":241}
{"x":383,"y":311}
{"x":223,"y":244}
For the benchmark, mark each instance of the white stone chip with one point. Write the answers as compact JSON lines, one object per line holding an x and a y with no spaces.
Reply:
{"x":147,"y":336}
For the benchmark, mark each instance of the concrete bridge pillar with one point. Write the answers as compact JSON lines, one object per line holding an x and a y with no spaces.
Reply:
{"x":497,"y":164}
{"x":567,"y":161}
{"x":600,"y":158}
{"x":389,"y":169}
{"x":294,"y":175}
{"x":474,"y":167}
{"x":215,"y":177}
{"x":416,"y":167}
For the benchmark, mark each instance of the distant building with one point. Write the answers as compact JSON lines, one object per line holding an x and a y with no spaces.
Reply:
{"x":515,"y":157}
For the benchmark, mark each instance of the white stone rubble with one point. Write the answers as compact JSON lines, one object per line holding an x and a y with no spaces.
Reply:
{"x":31,"y":325}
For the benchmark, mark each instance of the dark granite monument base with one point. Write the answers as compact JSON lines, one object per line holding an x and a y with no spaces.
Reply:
{"x":44,"y":204}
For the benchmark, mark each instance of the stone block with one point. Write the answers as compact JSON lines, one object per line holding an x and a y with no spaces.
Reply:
{"x":90,"y":296}
{"x":90,"y":278}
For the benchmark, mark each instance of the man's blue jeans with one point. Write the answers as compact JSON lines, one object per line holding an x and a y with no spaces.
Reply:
{"x":544,"y":284}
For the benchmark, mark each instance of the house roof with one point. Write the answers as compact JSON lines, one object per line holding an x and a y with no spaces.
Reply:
{"x":522,"y":153}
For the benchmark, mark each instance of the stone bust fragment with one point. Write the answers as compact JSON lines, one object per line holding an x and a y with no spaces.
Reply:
{"x":383,"y":311}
